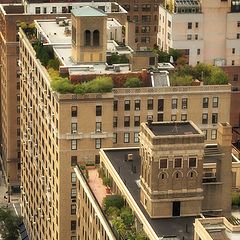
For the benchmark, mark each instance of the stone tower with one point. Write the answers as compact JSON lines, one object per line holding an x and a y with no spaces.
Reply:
{"x":89,"y":35}
{"x":171,"y":168}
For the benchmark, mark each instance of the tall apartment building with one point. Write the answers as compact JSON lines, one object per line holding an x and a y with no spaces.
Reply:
{"x":207,"y":31}
{"x":60,"y":130}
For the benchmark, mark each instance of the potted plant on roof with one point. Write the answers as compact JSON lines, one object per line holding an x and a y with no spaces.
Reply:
{"x":108,"y":183}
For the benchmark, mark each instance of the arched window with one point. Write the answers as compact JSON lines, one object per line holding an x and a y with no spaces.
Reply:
{"x":87,"y":38}
{"x":96,"y":38}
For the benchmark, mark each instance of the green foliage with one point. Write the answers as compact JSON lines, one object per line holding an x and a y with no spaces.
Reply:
{"x":107,"y":181}
{"x":29,"y":29}
{"x":235,"y":199}
{"x":175,"y":53}
{"x":127,"y":216}
{"x":113,"y":201}
{"x":9,"y":224}
{"x":113,"y":212}
{"x":181,"y":80}
{"x":53,"y":63}
{"x":116,"y":59}
{"x":132,"y":82}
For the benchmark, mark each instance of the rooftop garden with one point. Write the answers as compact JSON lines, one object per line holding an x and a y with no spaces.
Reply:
{"x":115,"y":58}
{"x":185,"y":75}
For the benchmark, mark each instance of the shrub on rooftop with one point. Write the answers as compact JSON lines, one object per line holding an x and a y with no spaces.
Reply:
{"x":113,"y":201}
{"x":116,"y":59}
{"x":132,"y":82}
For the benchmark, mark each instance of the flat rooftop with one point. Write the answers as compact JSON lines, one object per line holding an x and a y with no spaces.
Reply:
{"x":173,"y":128}
{"x":169,"y":228}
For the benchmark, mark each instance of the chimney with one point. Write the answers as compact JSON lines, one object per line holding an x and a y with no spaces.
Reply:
{"x":224,"y":134}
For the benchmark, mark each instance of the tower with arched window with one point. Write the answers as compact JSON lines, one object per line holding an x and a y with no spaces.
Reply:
{"x":89,"y":35}
{"x":171,"y":168}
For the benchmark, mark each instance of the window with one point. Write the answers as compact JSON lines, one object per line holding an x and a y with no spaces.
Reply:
{"x":238,"y":23}
{"x":114,"y":137}
{"x":136,"y":29}
{"x":160,"y":117}
{"x":98,"y":143}
{"x":214,"y":134}
{"x":146,"y":7}
{"x":136,"y":121}
{"x":135,"y":7}
{"x":189,"y":37}
{"x":126,"y":137}
{"x":184,"y":103}
{"x":233,"y":62}
{"x":174,"y":103}
{"x":189,"y":25}
{"x":126,"y":121}
{"x":73,"y":209}
{"x":183,"y":117}
{"x":233,"y":50}
{"x":192,"y":162}
{"x":37,"y":10}
{"x":73,"y":161}
{"x":163,"y":163}
{"x":96,"y":38}
{"x":97,"y":159}
{"x":149,"y":117}
{"x":205,"y":102}
{"x":178,"y":163}
{"x":169,"y":23}
{"x":73,"y":127}
{"x":127,"y":105}
{"x":115,"y":105}
{"x":145,"y":29}
{"x":54,"y":9}
{"x":74,"y":144}
{"x":73,"y":225}
{"x":198,"y":51}
{"x":98,"y":110}
{"x":137,"y":105}
{"x":238,"y":35}
{"x":173,"y":117}
{"x":136,"y":138}
{"x":160,"y":105}
{"x":196,"y":25}
{"x":98,"y":127}
{"x":73,"y":177}
{"x":73,"y":193}
{"x":150,"y":104}
{"x":74,"y":111}
{"x":115,"y":122}
{"x":214,"y":118}
{"x":135,"y":18}
{"x":205,"y":133}
{"x":204,"y":118}
{"x":145,"y":39}
{"x":235,"y":77}
{"x":186,"y":52}
{"x":196,"y":36}
{"x":215,"y":102}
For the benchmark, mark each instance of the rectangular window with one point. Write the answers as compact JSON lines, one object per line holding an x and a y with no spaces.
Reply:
{"x":74,"y":111}
{"x":127,"y":105}
{"x":136,"y":121}
{"x":196,"y":25}
{"x":145,"y":29}
{"x":215,"y":102}
{"x":73,"y":225}
{"x":73,"y":161}
{"x":126,"y":137}
{"x":98,"y":110}
{"x":115,"y":122}
{"x":184,"y":103}
{"x":136,"y":137}
{"x":97,"y":159}
{"x":126,"y":121}
{"x":238,"y":23}
{"x":189,"y":37}
{"x":146,"y":7}
{"x":238,"y":35}
{"x":98,"y":127}
{"x":214,"y":134}
{"x":163,"y":163}
{"x":150,"y":104}
{"x":74,"y":144}
{"x":169,"y":23}
{"x":205,"y":133}
{"x":233,"y":50}
{"x":160,"y":117}
{"x":192,"y":162}
{"x":204,"y":118}
{"x":73,"y":127}
{"x":137,"y":105}
{"x":196,"y":36}
{"x":54,"y":9}
{"x":235,"y":77}
{"x":174,"y":103}
{"x":114,"y":137}
{"x":183,"y":117}
{"x":135,"y":18}
{"x":205,"y":102}
{"x":73,"y":209}
{"x":214,"y":118}
{"x":189,"y":25}
{"x":160,"y":105}
{"x":178,"y":163}
{"x":73,"y":177}
{"x":173,"y":117}
{"x":37,"y":10}
{"x":73,"y":193}
{"x":98,"y":143}
{"x":115,"y":105}
{"x":198,"y":51}
{"x":135,"y":7}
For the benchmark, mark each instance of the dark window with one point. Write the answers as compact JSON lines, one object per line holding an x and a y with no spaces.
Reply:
{"x":235,"y":77}
{"x":184,"y":103}
{"x":115,"y":105}
{"x":214,"y":118}
{"x":238,"y":23}
{"x":115,"y":122}
{"x":74,"y":111}
{"x":178,"y":162}
{"x":96,"y":38}
{"x":160,"y":117}
{"x":196,"y":25}
{"x":215,"y":102}
{"x":73,"y":209}
{"x":152,"y":61}
{"x":189,"y":25}
{"x":73,"y":225}
{"x":198,"y":51}
{"x":233,"y":50}
{"x":73,"y":161}
{"x":163,"y":163}
{"x":137,"y":105}
{"x":146,"y":7}
{"x":160,"y":104}
{"x":136,"y":121}
{"x":192,"y":162}
{"x":127,"y":105}
{"x":238,"y":35}
{"x":205,"y":102}
{"x":87,"y":37}
{"x":174,"y":103}
{"x":204,"y":118}
{"x":97,"y":159}
{"x":98,"y":110}
{"x":126,"y":121}
{"x":150,"y":104}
